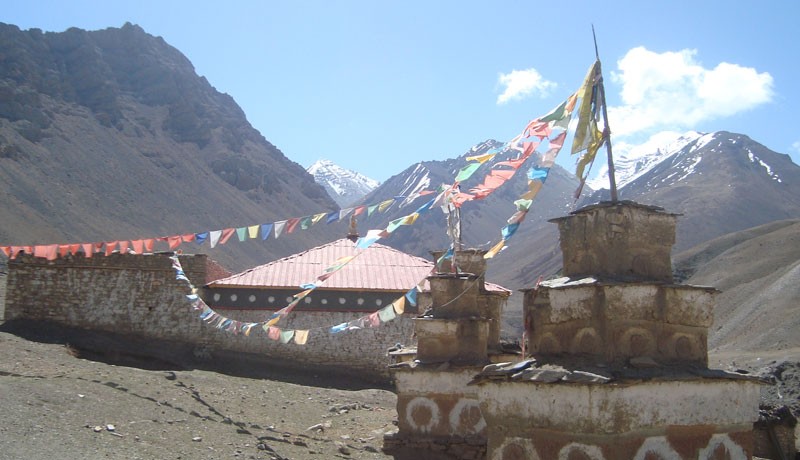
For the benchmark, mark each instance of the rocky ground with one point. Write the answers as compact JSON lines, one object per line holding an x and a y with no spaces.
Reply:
{"x":56,"y":404}
{"x":60,"y":402}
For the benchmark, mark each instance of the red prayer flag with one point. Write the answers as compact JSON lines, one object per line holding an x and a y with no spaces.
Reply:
{"x":123,"y":247}
{"x":148,"y":244}
{"x":39,"y":251}
{"x":63,"y":250}
{"x":138,"y":246}
{"x":110,"y":246}
{"x":374,"y":320}
{"x":174,"y":242}
{"x":291,"y":224}
{"x":188,"y":237}
{"x":226,"y":235}
{"x":6,"y":250}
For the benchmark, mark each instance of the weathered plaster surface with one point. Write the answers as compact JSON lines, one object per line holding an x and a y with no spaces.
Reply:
{"x":614,"y":409}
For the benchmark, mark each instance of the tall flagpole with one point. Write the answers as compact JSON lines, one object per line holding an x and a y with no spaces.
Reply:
{"x":612,"y":181}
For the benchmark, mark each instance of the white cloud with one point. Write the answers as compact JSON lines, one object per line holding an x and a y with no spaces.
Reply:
{"x":796,"y":146}
{"x":672,"y":90}
{"x":520,"y":84}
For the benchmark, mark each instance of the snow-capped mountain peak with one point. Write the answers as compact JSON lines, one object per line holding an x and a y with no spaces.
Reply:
{"x":345,"y":186}
{"x":632,"y":162}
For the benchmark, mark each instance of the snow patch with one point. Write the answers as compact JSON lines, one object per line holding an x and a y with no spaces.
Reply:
{"x":642,"y":158}
{"x":754,"y":159}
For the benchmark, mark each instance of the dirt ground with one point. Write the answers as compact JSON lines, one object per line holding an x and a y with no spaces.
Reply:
{"x":58,"y":405}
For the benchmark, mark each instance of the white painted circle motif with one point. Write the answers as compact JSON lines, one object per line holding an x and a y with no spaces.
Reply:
{"x":421,"y":402}
{"x":464,"y":407}
{"x":592,"y":452}
{"x":657,"y":445}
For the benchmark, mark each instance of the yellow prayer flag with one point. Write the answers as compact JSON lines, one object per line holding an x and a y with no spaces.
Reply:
{"x":495,"y":249}
{"x":271,"y":323}
{"x":300,"y":337}
{"x":399,"y":305}
{"x":482,"y":158}
{"x":252,"y":231}
{"x":411,"y":218}
{"x":533,"y":188}
{"x":583,"y":134}
{"x":318,"y":217}
{"x":385,"y":204}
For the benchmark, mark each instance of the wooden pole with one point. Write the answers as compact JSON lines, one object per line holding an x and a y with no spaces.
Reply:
{"x":612,"y":180}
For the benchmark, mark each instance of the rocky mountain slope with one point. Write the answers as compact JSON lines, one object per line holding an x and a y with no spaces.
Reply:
{"x":719,"y":182}
{"x":111,"y":134}
{"x":758,"y":272}
{"x":346,"y":187}
{"x":532,"y":252}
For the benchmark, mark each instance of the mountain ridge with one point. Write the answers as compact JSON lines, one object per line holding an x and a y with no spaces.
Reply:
{"x":111,"y":134}
{"x":345,"y":186}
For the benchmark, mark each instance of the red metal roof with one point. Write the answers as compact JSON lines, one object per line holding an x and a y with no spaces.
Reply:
{"x":378,"y":268}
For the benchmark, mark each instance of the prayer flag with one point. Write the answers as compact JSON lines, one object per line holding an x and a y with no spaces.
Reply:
{"x":467,"y":171}
{"x":344,"y":212}
{"x":538,"y":173}
{"x":482,"y":158}
{"x":286,"y":336}
{"x":332,"y":217}
{"x":291,"y":224}
{"x":399,"y":305}
{"x":189,"y":237}
{"x":387,"y":314}
{"x":266,"y":229}
{"x":301,"y":337}
{"x":199,"y":238}
{"x":366,"y":241}
{"x":411,"y":295}
{"x":174,"y":242}
{"x":318,"y":217}
{"x":495,"y":249}
{"x":584,"y":134}
{"x":279,"y":228}
{"x":226,"y":235}
{"x":138,"y":246}
{"x":252,"y":231}
{"x":241,"y":233}
{"x":373,"y":320}
{"x":384,"y":204}
{"x":213,"y":237}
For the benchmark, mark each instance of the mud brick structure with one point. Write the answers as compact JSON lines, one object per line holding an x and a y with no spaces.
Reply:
{"x":438,"y":413}
{"x":617,"y":365}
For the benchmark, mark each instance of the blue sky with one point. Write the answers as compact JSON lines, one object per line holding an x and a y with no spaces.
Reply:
{"x":378,"y":86}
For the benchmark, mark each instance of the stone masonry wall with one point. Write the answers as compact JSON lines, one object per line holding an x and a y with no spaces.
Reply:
{"x":138,"y":296}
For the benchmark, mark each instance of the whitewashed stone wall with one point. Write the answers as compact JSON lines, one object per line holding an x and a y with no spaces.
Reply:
{"x":138,"y":296}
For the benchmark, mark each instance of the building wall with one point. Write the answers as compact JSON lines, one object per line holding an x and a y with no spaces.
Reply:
{"x":138,"y":296}
{"x":703,"y":419}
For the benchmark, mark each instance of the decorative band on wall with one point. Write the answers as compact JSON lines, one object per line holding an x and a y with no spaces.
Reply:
{"x":720,"y":446}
